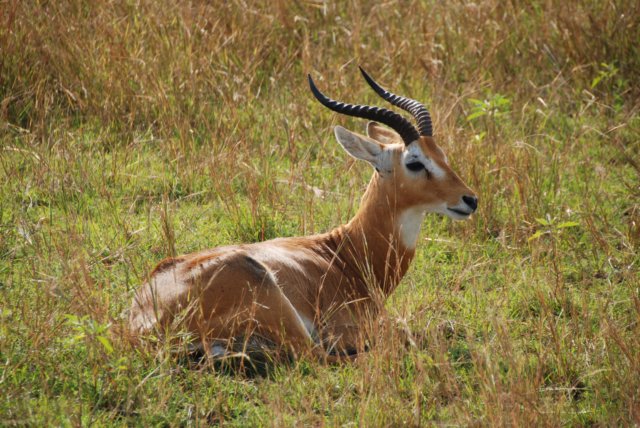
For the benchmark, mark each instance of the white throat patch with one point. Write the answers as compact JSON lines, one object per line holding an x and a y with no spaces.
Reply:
{"x":409,"y":225}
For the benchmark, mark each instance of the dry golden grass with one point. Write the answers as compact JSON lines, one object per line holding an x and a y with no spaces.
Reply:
{"x":132,"y":130}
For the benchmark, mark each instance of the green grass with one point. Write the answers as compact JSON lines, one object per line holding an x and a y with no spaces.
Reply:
{"x":133,"y":131}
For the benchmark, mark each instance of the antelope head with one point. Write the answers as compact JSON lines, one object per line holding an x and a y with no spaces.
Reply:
{"x":411,"y":169}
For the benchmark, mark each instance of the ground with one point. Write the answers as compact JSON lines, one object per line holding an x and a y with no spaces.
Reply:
{"x":133,"y":131}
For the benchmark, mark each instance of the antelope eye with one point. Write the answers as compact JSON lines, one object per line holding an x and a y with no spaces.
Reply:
{"x":415,"y":166}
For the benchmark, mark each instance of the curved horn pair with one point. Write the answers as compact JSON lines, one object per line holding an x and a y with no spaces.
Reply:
{"x":398,"y":123}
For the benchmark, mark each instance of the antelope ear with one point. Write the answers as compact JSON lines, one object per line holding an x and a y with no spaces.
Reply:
{"x":359,"y":146}
{"x":382,"y":134}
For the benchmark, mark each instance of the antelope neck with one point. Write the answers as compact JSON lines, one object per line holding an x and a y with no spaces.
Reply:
{"x":373,"y":240}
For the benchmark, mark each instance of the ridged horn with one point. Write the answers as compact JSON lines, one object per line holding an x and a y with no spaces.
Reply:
{"x":393,"y":120}
{"x":417,"y":110}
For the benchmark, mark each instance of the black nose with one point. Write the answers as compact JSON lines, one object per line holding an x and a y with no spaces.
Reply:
{"x":472,"y":201}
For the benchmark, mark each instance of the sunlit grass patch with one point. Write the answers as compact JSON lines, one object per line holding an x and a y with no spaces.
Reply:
{"x":134,"y":131}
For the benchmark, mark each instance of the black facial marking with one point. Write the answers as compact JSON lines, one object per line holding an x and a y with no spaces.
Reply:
{"x":415,"y":166}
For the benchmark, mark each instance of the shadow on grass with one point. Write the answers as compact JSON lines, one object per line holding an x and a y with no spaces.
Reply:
{"x":252,"y":359}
